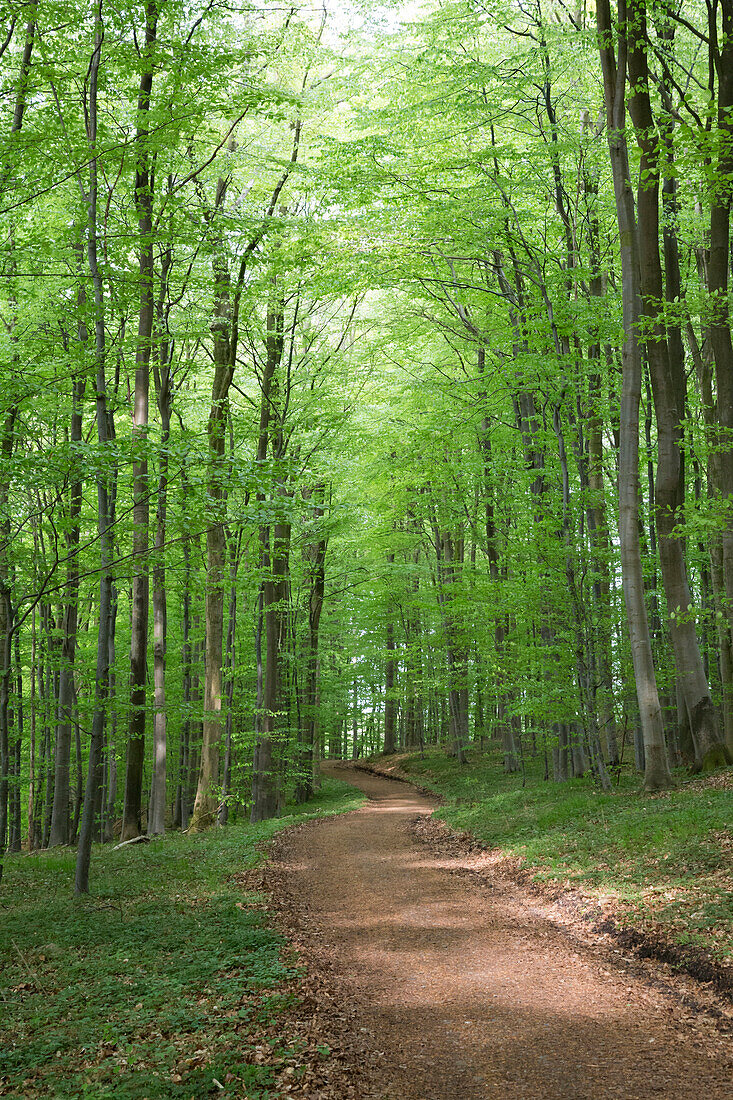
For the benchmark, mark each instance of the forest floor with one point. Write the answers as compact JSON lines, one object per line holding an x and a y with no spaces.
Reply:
{"x":430,"y":976}
{"x":166,"y":982}
{"x":392,"y":952}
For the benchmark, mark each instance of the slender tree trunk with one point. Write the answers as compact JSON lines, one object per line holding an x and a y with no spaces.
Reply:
{"x":264,"y":779}
{"x":511,"y":761}
{"x":6,"y":627}
{"x":49,"y":698}
{"x":196,"y":735}
{"x":79,"y":785}
{"x":721,"y":58}
{"x":657,"y":775}
{"x":110,"y":762}
{"x":390,"y":702}
{"x":144,"y":187}
{"x":596,"y":510}
{"x":668,"y":387}
{"x":207,"y":801}
{"x":164,"y":395}
{"x":355,"y":746}
{"x":206,"y":805}
{"x":264,"y":784}
{"x":230,"y":661}
{"x":103,"y":418}
{"x":60,"y":812}
{"x":585,"y":679}
{"x":316,"y":564}
{"x":7,"y":438}
{"x":183,"y":808}
{"x":449,"y":555}
{"x":32,"y":761}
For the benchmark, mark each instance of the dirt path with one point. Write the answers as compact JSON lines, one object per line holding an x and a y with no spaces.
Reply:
{"x":464,"y":992}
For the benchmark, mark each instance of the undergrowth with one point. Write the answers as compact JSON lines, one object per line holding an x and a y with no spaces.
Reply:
{"x":662,"y":860}
{"x":159,"y":984}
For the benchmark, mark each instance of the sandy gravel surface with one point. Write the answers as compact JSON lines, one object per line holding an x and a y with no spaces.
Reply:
{"x":457,"y":990}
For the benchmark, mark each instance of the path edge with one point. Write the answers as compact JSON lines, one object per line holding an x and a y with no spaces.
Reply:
{"x":646,"y":946}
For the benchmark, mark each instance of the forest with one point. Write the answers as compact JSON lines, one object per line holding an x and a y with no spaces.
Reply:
{"x":367,"y":384}
{"x":366,"y":402}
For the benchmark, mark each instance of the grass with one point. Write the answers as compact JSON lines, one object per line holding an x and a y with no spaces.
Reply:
{"x":163,"y":980}
{"x":662,"y":861}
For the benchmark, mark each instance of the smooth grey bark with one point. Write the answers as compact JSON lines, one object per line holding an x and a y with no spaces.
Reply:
{"x":229,"y":666}
{"x":110,"y":759}
{"x":101,"y":690}
{"x":390,"y":667}
{"x":356,"y":747}
{"x":668,"y":388}
{"x":596,"y":507}
{"x":144,"y":178}
{"x":414,"y":737}
{"x":206,"y":804}
{"x":315,"y":562}
{"x":272,"y":590}
{"x":48,"y":690}
{"x":157,"y":803}
{"x":511,"y":759}
{"x":264,"y":778}
{"x":15,"y":838}
{"x":60,"y":833}
{"x":33,"y":764}
{"x":163,"y":379}
{"x":6,"y":627}
{"x":657,"y":775}
{"x":702,"y":359}
{"x":182,"y":809}
{"x":718,"y":274}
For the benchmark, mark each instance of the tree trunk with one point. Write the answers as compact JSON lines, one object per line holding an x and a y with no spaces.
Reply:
{"x":390,"y":703}
{"x":449,"y":552}
{"x":721,"y":61}
{"x":264,"y":778}
{"x":657,"y":775}
{"x":103,"y":418}
{"x":164,"y":396}
{"x":110,"y":762}
{"x":316,"y":566}
{"x":226,"y":787}
{"x":668,"y":387}
{"x":7,"y":439}
{"x":183,"y":809}
{"x":6,"y":627}
{"x":596,"y":509}
{"x":60,"y":812}
{"x":207,"y":799}
{"x":144,"y":185}
{"x":206,"y":804}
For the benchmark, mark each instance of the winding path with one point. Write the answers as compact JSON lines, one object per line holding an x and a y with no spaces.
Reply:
{"x":468,"y":992}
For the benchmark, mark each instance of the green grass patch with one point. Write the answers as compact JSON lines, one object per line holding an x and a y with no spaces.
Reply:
{"x":665,"y":859}
{"x":155,"y":984}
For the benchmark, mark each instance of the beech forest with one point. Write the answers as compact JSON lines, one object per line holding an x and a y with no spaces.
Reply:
{"x":366,"y":402}
{"x":367,"y":383}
